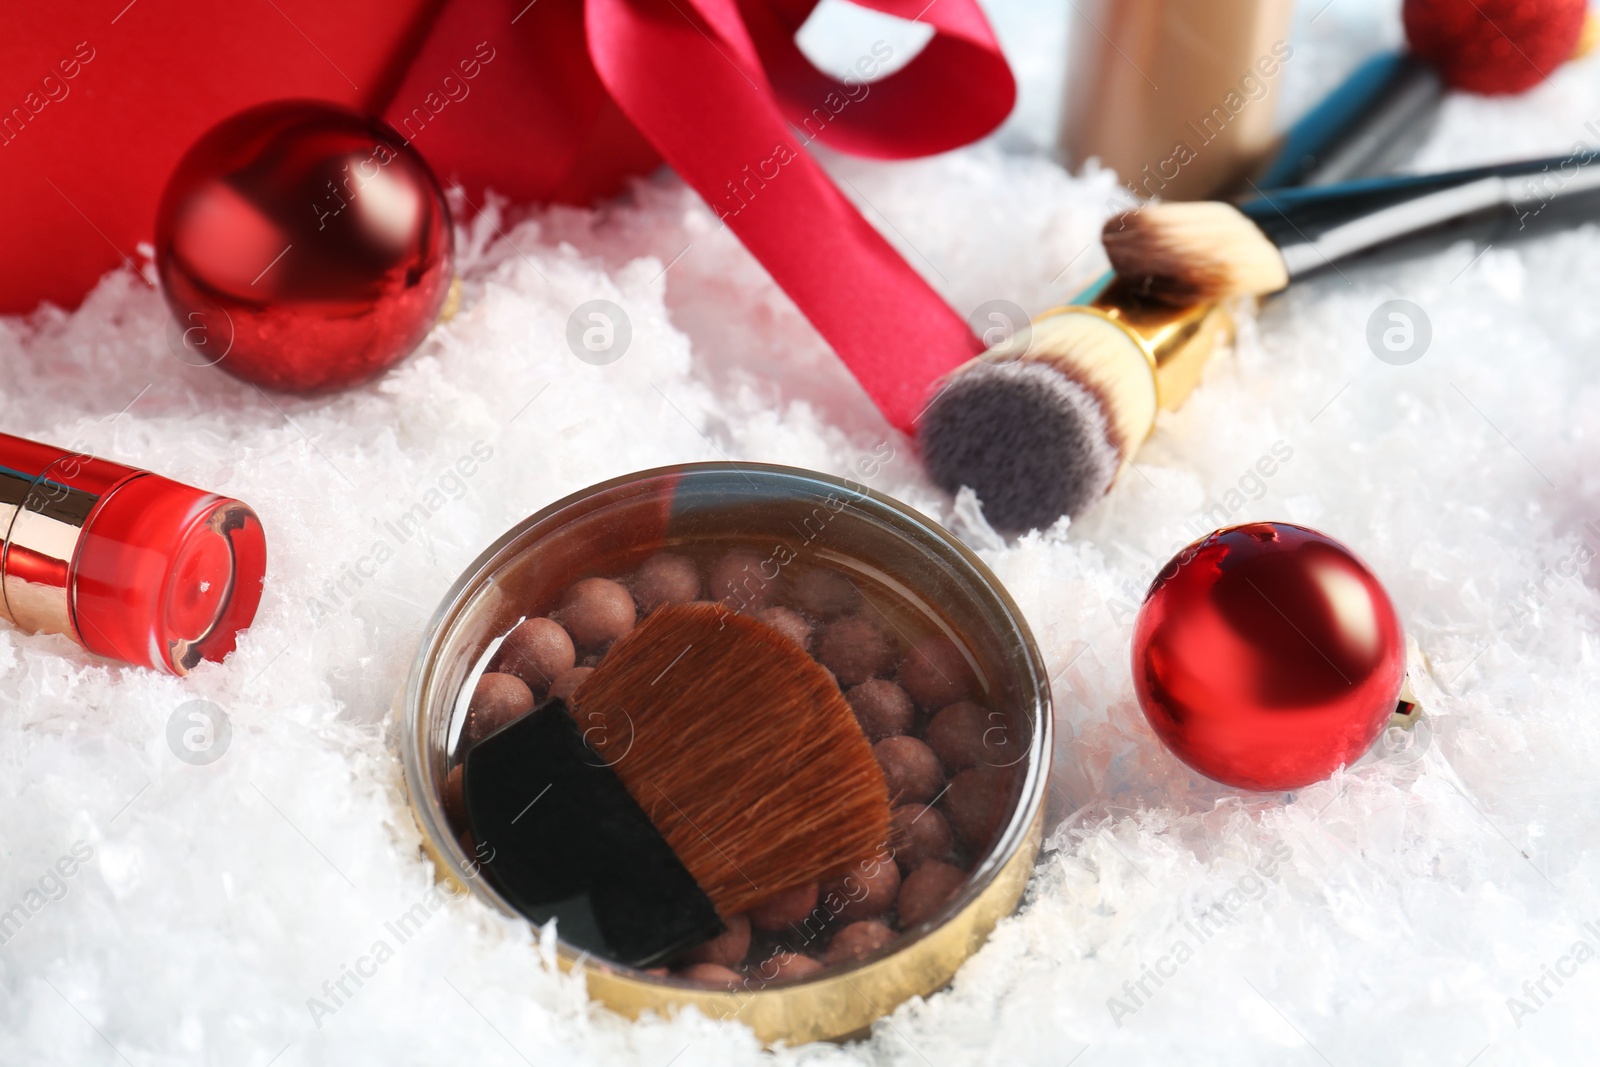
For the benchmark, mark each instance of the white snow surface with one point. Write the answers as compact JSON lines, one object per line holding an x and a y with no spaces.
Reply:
{"x":1409,"y":897}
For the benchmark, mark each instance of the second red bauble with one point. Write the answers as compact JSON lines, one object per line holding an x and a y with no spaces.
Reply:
{"x":1266,"y":656}
{"x":303,"y":247}
{"x":1494,"y":46}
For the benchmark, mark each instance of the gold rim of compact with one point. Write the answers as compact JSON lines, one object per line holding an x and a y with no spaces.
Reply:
{"x":842,"y":1000}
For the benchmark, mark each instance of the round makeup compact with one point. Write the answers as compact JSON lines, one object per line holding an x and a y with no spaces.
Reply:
{"x":759,"y":740}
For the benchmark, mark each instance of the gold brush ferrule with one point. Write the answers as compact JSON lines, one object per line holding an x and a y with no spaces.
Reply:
{"x":1176,"y":342}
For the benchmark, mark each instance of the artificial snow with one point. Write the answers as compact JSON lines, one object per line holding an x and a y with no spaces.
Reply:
{"x":1435,"y":904}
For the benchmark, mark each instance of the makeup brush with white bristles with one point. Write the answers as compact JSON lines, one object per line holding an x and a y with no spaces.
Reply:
{"x":1186,"y":253}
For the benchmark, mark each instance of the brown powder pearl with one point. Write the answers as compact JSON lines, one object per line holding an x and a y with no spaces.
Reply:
{"x":882,"y":708}
{"x":918,"y":834}
{"x":857,"y":941}
{"x":596,"y":611}
{"x":567,"y":681}
{"x":935,"y":673}
{"x":727,"y":949}
{"x":926,"y":890}
{"x":910,"y":769}
{"x":665,"y":579}
{"x":964,"y":735}
{"x":454,"y":797}
{"x":745,"y":580}
{"x":785,"y":966}
{"x":977,"y":805}
{"x":855,"y":650}
{"x":866,"y":892}
{"x":497,"y":699}
{"x":789,"y":623}
{"x":786,"y":909}
{"x":824,"y":593}
{"x":536,"y":651}
{"x":711,"y":974}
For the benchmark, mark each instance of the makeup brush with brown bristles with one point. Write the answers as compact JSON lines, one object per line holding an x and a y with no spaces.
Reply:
{"x":1186,"y":253}
{"x":706,"y":765}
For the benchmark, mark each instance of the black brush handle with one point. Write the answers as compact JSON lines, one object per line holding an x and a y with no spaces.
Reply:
{"x":1372,"y":123}
{"x":561,"y":838}
{"x":1318,"y":227}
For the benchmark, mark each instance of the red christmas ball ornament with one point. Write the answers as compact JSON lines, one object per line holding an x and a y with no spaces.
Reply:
{"x":1266,"y":656}
{"x":1494,"y":46}
{"x":303,"y":247}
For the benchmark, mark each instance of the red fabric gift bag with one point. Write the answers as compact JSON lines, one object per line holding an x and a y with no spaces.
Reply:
{"x":99,"y":99}
{"x":540,"y":100}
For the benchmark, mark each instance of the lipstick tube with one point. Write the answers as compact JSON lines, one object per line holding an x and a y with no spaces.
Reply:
{"x":130,"y":565}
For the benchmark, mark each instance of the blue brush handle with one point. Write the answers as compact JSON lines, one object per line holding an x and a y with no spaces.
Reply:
{"x":1317,"y":227}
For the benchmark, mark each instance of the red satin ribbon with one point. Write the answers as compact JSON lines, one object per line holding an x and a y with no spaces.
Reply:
{"x":720,"y":90}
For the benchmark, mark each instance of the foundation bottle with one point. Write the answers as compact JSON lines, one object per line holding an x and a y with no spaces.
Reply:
{"x":1177,"y":96}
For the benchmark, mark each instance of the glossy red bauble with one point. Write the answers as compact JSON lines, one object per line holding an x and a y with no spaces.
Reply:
{"x":1266,"y":656}
{"x":303,"y":247}
{"x":1494,"y":46}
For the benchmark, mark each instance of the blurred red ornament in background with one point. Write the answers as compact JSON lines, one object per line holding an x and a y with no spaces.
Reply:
{"x":303,"y":247}
{"x":1494,"y":46}
{"x":1266,"y":656}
